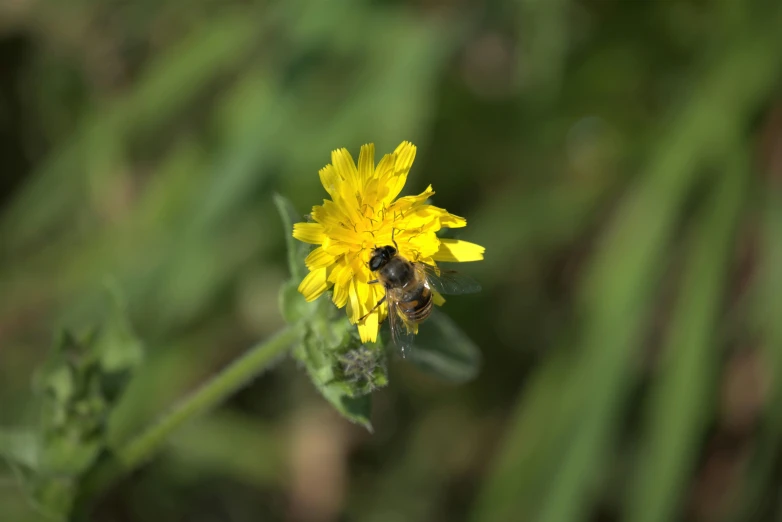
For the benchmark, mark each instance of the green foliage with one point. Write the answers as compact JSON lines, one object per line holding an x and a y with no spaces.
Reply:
{"x":327,"y":339}
{"x":590,"y":145}
{"x":77,"y":388}
{"x":616,"y":300}
{"x":364,"y":368}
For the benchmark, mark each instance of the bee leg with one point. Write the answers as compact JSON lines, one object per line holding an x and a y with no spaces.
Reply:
{"x":374,"y":281}
{"x":383,"y":300}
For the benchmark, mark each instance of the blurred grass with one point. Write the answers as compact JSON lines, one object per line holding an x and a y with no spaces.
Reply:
{"x":678,"y":411}
{"x":750,"y":501}
{"x":616,"y":301}
{"x":593,"y":146}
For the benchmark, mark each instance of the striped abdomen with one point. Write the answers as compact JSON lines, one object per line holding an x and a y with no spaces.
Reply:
{"x":416,"y":303}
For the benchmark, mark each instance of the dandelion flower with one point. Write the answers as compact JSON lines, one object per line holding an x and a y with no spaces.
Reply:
{"x":364,"y":213}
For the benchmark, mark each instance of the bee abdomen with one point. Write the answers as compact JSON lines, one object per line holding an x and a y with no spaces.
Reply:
{"x":418,"y":308}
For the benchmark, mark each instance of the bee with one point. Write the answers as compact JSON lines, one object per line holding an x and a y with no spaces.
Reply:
{"x":409,"y":290}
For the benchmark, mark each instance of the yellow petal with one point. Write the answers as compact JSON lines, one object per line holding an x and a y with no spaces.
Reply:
{"x":340,"y":296}
{"x":314,"y":284}
{"x":405,"y":155}
{"x":346,"y":275}
{"x":362,"y":291}
{"x":385,"y":169}
{"x":378,"y":188}
{"x":319,"y":258}
{"x":330,"y":179}
{"x":394,"y":187}
{"x":446,"y":218}
{"x":346,"y":168}
{"x":404,"y":204}
{"x":380,"y":293}
{"x":438,"y":299}
{"x":309,"y":233}
{"x":367,"y":329}
{"x":334,"y":275}
{"x":360,"y":270}
{"x":335,"y":248}
{"x":424,"y":245}
{"x":344,"y":234}
{"x":366,"y":163}
{"x":354,"y":308}
{"x":456,"y":250}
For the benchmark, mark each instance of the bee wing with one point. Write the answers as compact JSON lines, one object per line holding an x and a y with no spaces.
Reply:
{"x":448,"y":282}
{"x":401,"y":336}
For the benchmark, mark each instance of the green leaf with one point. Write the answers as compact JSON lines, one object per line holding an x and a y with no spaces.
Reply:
{"x":119,"y":350}
{"x":54,"y":496}
{"x":117,"y":345}
{"x":293,"y":306}
{"x":342,"y":369}
{"x":76,"y":388}
{"x":51,"y":496}
{"x":444,"y":350}
{"x":80,"y":383}
{"x":297,"y":250}
{"x":353,"y":406}
{"x":20,"y":446}
{"x":354,"y":409}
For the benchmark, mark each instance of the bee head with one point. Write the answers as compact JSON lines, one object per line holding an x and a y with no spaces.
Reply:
{"x":381,"y":256}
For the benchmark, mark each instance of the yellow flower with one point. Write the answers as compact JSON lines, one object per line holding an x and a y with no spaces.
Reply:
{"x":363,"y":214}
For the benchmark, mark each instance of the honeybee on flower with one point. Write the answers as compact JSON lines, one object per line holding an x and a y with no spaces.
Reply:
{"x":377,"y":252}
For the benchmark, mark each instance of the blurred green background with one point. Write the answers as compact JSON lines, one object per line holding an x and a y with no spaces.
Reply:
{"x":620,"y":160}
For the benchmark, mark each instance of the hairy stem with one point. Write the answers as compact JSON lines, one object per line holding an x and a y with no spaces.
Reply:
{"x":224,"y":384}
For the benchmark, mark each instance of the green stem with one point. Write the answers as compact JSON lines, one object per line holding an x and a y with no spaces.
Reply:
{"x":210,"y":394}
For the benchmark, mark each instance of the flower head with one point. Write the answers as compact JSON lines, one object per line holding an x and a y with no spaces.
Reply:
{"x":364,"y":213}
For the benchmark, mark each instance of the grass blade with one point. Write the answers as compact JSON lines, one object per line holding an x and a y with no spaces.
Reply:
{"x":616,"y":298}
{"x":678,"y":412}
